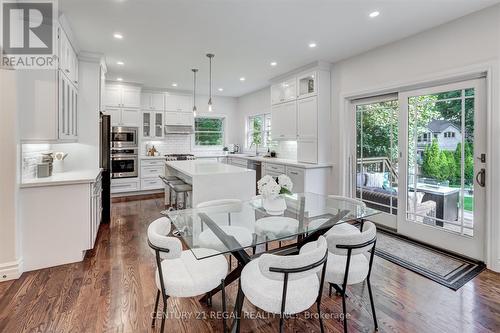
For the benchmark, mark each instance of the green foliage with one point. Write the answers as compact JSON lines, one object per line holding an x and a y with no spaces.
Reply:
{"x":446,"y":165}
{"x":257,"y":127}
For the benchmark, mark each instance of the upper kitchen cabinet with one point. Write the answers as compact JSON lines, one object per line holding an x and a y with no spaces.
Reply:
{"x":122,"y":96}
{"x":49,"y":107}
{"x":306,"y":85}
{"x":152,"y":124}
{"x":153,"y":101}
{"x":284,"y":120}
{"x":177,"y":102}
{"x":284,"y":91}
{"x":179,"y":119}
{"x":306,"y":119}
{"x":68,"y":59}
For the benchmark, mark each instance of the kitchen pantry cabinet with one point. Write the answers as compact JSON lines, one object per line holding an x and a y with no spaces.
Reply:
{"x":181,"y":103}
{"x":179,"y":118}
{"x":152,"y":125}
{"x":284,"y":120}
{"x":153,"y":101}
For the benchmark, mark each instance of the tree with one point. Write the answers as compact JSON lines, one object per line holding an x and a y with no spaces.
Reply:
{"x":431,"y":163}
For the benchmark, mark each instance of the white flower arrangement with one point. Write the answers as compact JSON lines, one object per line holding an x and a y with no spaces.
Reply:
{"x":270,"y":187}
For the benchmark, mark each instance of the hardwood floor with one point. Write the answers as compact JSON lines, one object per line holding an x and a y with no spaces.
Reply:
{"x":113,"y":290}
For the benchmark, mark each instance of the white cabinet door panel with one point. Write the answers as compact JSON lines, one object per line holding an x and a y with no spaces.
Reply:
{"x":298,"y":178}
{"x":113,"y":97}
{"x":307,"y":118}
{"x":130,"y":117}
{"x":307,"y":151}
{"x":284,"y":120}
{"x":131,"y":98}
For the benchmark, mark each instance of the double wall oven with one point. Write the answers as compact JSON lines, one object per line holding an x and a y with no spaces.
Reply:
{"x":124,"y":152}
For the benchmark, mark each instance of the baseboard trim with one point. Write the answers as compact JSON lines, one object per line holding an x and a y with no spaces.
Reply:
{"x":11,"y":270}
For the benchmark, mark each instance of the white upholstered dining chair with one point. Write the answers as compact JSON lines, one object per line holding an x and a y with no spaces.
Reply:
{"x":350,"y":260}
{"x":179,"y":273}
{"x":287,"y":284}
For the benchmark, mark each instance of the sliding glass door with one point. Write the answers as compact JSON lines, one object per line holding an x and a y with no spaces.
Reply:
{"x":376,"y":162}
{"x":442,"y":166}
{"x":420,"y":159}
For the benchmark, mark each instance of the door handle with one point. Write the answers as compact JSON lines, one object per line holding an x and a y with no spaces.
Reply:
{"x":481,"y":177}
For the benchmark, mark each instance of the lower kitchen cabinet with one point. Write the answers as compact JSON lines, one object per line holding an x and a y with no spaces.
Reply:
{"x":151,"y":170}
{"x":59,"y":223}
{"x":123,"y":185}
{"x":314,"y":180}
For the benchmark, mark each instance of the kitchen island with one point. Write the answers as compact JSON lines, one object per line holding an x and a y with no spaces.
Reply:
{"x":213,"y":180}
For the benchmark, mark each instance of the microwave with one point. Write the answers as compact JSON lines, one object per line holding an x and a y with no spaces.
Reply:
{"x":124,"y":136}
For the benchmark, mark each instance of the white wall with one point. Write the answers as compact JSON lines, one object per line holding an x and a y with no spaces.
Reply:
{"x":467,"y":42}
{"x":10,"y":256}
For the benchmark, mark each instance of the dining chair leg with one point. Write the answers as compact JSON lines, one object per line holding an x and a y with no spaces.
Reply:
{"x":209,"y":299}
{"x":223,"y":294}
{"x":330,"y":286}
{"x":320,"y":317}
{"x":372,"y":304}
{"x":165,"y":298}
{"x":344,"y":311}
{"x":155,"y":314}
{"x":281,"y":323}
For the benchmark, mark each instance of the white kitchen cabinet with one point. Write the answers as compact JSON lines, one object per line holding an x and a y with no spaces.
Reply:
{"x":123,"y":185}
{"x":67,"y":109}
{"x":284,"y":120}
{"x":307,"y":150}
{"x":95,"y":210}
{"x":124,"y":116}
{"x":68,"y":59}
{"x":297,"y":177}
{"x":123,"y":96}
{"x":182,"y":103}
{"x":153,"y":101}
{"x":239,"y":162}
{"x":151,"y":170}
{"x":307,"y":84}
{"x":284,"y":91}
{"x":307,"y":118}
{"x":179,"y":118}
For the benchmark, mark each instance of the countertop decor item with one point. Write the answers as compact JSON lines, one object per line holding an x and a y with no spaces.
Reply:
{"x":272,"y":190}
{"x":59,"y":161}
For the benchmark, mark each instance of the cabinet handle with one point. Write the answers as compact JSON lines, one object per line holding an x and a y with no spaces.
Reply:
{"x":66,"y":70}
{"x":76,"y":81}
{"x":294,"y":173}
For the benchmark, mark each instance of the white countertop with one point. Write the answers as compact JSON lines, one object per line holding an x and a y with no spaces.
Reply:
{"x":144,"y":157}
{"x":63,"y":178}
{"x":276,"y":160}
{"x":200,"y":167}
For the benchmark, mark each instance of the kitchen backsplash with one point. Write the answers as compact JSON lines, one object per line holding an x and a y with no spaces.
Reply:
{"x":287,"y":150}
{"x":171,"y":144}
{"x":31,"y":156}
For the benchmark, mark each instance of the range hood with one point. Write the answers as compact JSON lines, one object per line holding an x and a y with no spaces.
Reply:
{"x":178,"y":129}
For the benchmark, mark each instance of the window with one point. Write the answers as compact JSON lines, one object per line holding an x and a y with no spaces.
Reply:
{"x":208,"y":132}
{"x":449,"y":134}
{"x":259,"y":130}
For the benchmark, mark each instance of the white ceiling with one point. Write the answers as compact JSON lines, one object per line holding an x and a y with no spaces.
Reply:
{"x":164,"y":39}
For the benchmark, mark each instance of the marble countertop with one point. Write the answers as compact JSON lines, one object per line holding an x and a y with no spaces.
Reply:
{"x":204,"y":168}
{"x":63,"y":178}
{"x":275,"y":160}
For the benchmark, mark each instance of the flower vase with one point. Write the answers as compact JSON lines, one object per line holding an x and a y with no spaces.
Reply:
{"x":274,"y":205}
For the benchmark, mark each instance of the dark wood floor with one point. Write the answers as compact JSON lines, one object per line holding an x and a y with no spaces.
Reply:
{"x":113,"y":290}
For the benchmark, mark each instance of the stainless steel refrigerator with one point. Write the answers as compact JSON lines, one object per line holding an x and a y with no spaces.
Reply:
{"x":105,"y":164}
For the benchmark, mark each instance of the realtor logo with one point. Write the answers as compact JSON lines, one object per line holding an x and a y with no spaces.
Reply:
{"x":28,"y":34}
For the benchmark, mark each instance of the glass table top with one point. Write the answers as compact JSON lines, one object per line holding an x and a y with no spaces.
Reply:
{"x":238,"y":225}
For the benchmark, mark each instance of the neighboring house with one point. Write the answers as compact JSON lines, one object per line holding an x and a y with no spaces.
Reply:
{"x":447,"y":134}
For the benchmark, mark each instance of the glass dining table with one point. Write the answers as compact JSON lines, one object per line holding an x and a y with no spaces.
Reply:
{"x":240,"y":228}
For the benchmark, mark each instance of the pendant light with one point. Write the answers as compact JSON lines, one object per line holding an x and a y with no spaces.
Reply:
{"x":210,"y":57}
{"x":194,"y":91}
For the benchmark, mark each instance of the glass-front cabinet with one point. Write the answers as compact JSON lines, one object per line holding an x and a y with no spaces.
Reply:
{"x":306,"y":85}
{"x":284,"y":91}
{"x":152,"y":125}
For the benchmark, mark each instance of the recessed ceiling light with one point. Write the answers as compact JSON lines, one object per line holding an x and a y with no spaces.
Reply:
{"x":220,"y":89}
{"x":312,"y":45}
{"x":118,"y":35}
{"x":119,"y":79}
{"x":121,"y":63}
{"x":274,"y":63}
{"x":374,"y":14}
{"x":242,"y":79}
{"x":174,"y":84}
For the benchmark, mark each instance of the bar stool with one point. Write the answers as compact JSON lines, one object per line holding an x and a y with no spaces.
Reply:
{"x":168,"y":194}
{"x":184,"y":190}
